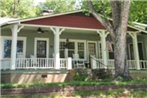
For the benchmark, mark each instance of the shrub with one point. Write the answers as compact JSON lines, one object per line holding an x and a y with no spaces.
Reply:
{"x":81,"y":75}
{"x":101,"y":74}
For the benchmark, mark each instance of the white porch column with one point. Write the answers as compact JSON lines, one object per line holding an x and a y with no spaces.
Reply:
{"x":13,"y":46}
{"x":57,"y":32}
{"x":66,"y":52}
{"x":103,"y":35}
{"x":69,"y":63}
{"x":135,"y":48}
{"x":0,"y":47}
{"x":15,"y":29}
{"x":0,"y":50}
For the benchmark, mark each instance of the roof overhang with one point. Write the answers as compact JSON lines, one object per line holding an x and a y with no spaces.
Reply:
{"x":7,"y":21}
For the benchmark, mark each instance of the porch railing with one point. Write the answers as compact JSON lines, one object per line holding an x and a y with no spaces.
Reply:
{"x":63,"y":63}
{"x":143,"y":64}
{"x":34,"y":63}
{"x":98,"y":63}
{"x":40,"y":63}
{"x":78,"y":63}
{"x":48,"y":63}
{"x":5,"y":64}
{"x":131,"y":64}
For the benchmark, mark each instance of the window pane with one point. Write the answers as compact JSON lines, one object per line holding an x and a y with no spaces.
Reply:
{"x":71,"y":45}
{"x":19,"y":46}
{"x":70,"y":53}
{"x":7,"y":48}
{"x":81,"y":50}
{"x":62,"y":45}
{"x":92,"y":48}
{"x":80,"y":46}
{"x":81,"y":54}
{"x":41,"y":48}
{"x":62,"y":53}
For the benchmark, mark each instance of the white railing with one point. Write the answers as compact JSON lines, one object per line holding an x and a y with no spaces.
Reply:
{"x":98,"y":63}
{"x":110,"y":64}
{"x":5,"y":64}
{"x":78,"y":63}
{"x":34,"y":63}
{"x":143,"y":64}
{"x":63,"y":63}
{"x":132,"y":64}
{"x":68,"y":63}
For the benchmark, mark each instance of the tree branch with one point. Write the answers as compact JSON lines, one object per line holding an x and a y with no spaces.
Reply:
{"x":106,"y":23}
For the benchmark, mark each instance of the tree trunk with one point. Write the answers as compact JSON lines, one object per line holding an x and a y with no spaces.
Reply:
{"x":118,"y":31}
{"x":120,"y":13}
{"x":14,"y":9}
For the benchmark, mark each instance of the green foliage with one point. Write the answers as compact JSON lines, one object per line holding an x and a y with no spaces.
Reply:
{"x":138,"y":11}
{"x":100,"y":6}
{"x":26,"y":8}
{"x":23,"y":8}
{"x":101,"y":74}
{"x":81,"y":75}
{"x":57,"y":6}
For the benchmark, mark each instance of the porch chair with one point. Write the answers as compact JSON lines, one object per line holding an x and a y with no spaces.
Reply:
{"x":78,"y":63}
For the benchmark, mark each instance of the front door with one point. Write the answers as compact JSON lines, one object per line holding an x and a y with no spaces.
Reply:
{"x":41,"y":48}
{"x":91,"y":49}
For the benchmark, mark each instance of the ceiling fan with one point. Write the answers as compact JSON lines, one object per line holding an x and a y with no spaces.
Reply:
{"x":39,"y":30}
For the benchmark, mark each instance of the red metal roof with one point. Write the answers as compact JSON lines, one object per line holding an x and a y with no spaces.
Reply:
{"x":77,"y":20}
{"x":69,"y":20}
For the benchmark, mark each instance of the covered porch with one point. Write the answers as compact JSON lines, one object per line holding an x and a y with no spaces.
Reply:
{"x":64,"y":44}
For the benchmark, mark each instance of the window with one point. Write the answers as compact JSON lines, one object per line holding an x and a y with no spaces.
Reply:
{"x":7,"y":47}
{"x":111,"y":53}
{"x":74,"y":47}
{"x":71,"y":49}
{"x":81,"y":50}
{"x":62,"y":46}
{"x":41,"y":48}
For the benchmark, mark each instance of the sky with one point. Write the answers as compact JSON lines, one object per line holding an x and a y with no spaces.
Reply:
{"x":37,"y":1}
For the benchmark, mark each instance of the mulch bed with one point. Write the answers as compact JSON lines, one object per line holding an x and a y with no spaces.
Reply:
{"x":68,"y":89}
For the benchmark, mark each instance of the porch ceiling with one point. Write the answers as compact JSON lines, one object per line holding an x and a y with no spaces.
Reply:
{"x":67,"y":30}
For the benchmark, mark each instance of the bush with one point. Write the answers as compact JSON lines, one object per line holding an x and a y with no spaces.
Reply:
{"x":81,"y":75}
{"x":101,"y":74}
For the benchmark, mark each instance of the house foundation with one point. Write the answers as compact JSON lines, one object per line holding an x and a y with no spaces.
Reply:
{"x":33,"y":76}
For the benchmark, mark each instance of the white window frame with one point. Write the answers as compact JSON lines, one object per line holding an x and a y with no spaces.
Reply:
{"x":76,"y":45}
{"x":96,"y":47}
{"x":47,"y":46}
{"x":10,"y":38}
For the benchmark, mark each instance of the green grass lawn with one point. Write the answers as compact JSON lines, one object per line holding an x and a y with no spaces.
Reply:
{"x":121,"y":93}
{"x":138,"y":93}
{"x":75,"y":83}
